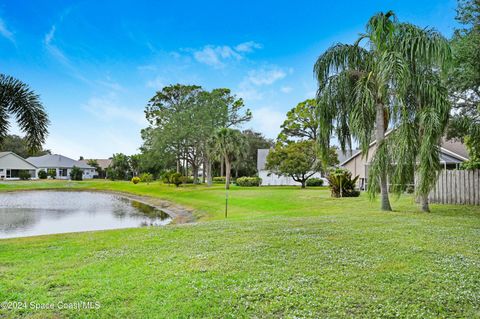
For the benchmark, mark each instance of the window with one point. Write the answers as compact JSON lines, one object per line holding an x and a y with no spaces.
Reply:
{"x":62,"y":172}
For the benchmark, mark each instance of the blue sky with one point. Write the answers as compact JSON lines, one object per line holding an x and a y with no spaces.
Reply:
{"x":95,"y":64}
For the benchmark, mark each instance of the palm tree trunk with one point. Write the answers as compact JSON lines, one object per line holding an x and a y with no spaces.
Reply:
{"x":227,"y":173}
{"x":221,"y":166}
{"x":424,"y":203}
{"x":380,"y":137}
{"x":208,"y":168}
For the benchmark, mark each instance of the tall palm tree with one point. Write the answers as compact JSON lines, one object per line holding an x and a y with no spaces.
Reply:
{"x":18,"y":100}
{"x":392,"y":80}
{"x":231,"y":145}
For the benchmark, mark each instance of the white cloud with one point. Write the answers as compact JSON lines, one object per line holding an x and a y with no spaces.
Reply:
{"x":217,"y":56}
{"x":248,"y":46}
{"x":52,"y":48}
{"x":5,"y":32}
{"x":286,"y":89}
{"x":266,"y":76}
{"x":156,"y":83}
{"x":267,"y":121}
{"x":107,"y":109}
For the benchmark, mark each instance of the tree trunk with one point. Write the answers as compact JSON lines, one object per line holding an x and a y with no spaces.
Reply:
{"x":227,"y":173}
{"x":424,"y":203}
{"x":178,"y":164}
{"x":208,"y":168}
{"x":221,"y":166}
{"x":380,"y":137}
{"x":303,"y":183}
{"x":195,"y":174}
{"x":204,"y":171}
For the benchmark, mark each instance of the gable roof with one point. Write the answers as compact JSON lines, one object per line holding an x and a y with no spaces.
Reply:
{"x":56,"y":161}
{"x":3,"y":154}
{"x":102,"y":163}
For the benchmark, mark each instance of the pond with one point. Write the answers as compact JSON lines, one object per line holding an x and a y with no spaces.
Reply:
{"x":51,"y":212}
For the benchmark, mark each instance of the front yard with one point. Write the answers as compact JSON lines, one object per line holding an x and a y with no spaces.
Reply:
{"x":282,"y":252}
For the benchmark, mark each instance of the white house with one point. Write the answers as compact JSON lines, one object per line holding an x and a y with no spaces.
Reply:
{"x":274,"y":179}
{"x":11,"y":165}
{"x":62,"y":166}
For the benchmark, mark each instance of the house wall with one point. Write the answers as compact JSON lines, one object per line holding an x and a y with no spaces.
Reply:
{"x":88,"y":173}
{"x":277,"y":180}
{"x":359,"y":166}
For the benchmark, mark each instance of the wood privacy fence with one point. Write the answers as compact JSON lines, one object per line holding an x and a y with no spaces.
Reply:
{"x":461,"y":187}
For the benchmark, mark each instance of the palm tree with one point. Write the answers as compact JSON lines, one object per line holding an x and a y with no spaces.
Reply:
{"x":17,"y":99}
{"x":392,"y":80}
{"x":231,"y":145}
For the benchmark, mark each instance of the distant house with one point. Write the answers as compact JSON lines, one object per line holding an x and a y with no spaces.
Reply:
{"x":271,"y":178}
{"x":103,"y":164}
{"x":452,"y":154}
{"x":12,"y":164}
{"x":61,"y":165}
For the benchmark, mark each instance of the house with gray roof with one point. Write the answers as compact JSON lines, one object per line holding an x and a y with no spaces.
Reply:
{"x":12,"y":164}
{"x":61,"y":165}
{"x":451,"y":152}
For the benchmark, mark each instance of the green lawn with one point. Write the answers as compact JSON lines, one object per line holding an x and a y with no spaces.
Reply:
{"x":283,"y":252}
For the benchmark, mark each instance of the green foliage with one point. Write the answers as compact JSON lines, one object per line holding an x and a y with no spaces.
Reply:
{"x":52,"y":172}
{"x":120,"y":167}
{"x":341,"y":183}
{"x":166,"y":177}
{"x":18,"y":101}
{"x":219,"y":179}
{"x":135,"y":180}
{"x":301,"y":123}
{"x":146,"y":178}
{"x":474,"y":153}
{"x":24,"y":175}
{"x":93,"y":163}
{"x":464,"y":76}
{"x":76,"y":174}
{"x":42,"y":174}
{"x":297,"y":159}
{"x":248,"y":181}
{"x":177,"y":179}
{"x":231,"y":145}
{"x":255,"y":141}
{"x":19,"y":146}
{"x":390,"y":76}
{"x":314,"y":181}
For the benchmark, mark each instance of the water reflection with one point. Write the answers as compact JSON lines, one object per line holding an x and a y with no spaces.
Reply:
{"x":49,"y":212}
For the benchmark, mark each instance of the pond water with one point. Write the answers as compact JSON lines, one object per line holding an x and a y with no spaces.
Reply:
{"x":52,"y":212}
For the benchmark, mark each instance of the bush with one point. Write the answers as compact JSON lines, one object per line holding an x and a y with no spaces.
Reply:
{"x":135,"y":180}
{"x":52,"y":172}
{"x":166,"y":177}
{"x":410,"y":189}
{"x":76,"y":174}
{"x":187,"y":179}
{"x":24,"y":175}
{"x":176,"y":179}
{"x":42,"y":174}
{"x":249,"y":181}
{"x":342,"y":184}
{"x":146,"y":178}
{"x":219,"y":179}
{"x":314,"y":181}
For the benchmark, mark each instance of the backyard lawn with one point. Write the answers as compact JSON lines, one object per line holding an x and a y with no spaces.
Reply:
{"x":282,"y":252}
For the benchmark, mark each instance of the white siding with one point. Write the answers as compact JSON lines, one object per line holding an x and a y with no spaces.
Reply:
{"x":274,"y":179}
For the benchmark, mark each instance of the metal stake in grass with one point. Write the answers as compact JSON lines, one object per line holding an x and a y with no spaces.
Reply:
{"x":226,"y":199}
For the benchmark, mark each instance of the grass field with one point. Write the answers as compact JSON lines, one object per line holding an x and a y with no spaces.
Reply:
{"x":283,"y":252}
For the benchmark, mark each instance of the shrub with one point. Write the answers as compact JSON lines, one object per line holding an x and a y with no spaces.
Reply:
{"x":187,"y":179}
{"x":166,"y":177}
{"x":135,"y":180}
{"x":24,"y":175}
{"x":219,"y":179}
{"x":341,"y":183}
{"x":314,"y":181}
{"x":176,"y":179}
{"x":410,"y":189}
{"x":146,"y":178}
{"x":249,"y":181}
{"x":76,"y":174}
{"x":42,"y":174}
{"x":52,"y":173}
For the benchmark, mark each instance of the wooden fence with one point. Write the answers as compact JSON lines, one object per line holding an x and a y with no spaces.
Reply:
{"x":461,"y":187}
